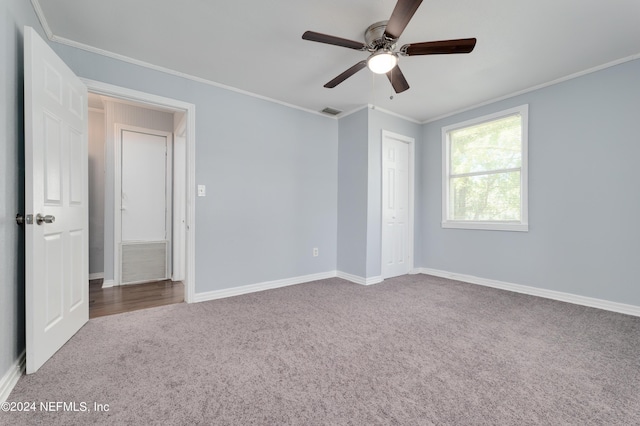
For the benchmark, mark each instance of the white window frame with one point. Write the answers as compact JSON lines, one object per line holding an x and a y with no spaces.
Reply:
{"x":523,"y":224}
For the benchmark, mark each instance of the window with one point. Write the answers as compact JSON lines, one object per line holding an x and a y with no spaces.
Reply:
{"x":485,"y":172}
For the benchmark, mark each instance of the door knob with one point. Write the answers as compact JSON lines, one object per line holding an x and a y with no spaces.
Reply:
{"x":45,"y":219}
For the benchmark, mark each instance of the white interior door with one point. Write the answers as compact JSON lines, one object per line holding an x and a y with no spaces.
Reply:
{"x":56,"y":182}
{"x":145,"y":202}
{"x":396,"y":206}
{"x":144,"y":186}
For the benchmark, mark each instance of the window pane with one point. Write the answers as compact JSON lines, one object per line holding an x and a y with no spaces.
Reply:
{"x":487,"y":146}
{"x":494,"y":197}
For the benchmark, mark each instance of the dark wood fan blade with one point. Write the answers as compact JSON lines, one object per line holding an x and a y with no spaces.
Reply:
{"x":463,"y":45}
{"x":345,"y":75}
{"x":397,"y":80}
{"x":400,"y":17}
{"x":336,"y":41}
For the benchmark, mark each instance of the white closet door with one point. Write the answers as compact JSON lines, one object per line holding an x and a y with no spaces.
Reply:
{"x":144,"y":186}
{"x":144,"y":206}
{"x":396,"y":241}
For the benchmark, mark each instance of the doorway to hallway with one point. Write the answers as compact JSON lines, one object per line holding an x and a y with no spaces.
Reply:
{"x":126,"y":298}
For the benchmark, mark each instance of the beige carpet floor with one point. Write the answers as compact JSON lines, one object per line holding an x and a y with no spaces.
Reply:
{"x":414,"y":350}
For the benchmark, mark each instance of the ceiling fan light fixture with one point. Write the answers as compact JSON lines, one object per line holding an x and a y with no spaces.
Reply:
{"x":382,"y":61}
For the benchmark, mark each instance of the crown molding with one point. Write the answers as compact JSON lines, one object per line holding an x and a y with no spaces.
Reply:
{"x":43,"y":21}
{"x":538,"y":87}
{"x":352,"y":111}
{"x":395,"y":114}
{"x":71,"y":43}
{"x":61,"y":40}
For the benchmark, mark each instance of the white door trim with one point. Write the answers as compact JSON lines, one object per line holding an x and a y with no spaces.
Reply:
{"x":411,"y":176}
{"x":117,"y":195}
{"x":155,"y":101}
{"x":179,"y":182}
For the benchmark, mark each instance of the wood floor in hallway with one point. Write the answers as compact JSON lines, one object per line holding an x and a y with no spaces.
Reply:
{"x":125,"y":298}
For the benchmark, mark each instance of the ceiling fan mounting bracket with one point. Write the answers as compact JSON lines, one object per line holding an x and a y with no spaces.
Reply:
{"x":376,"y":39}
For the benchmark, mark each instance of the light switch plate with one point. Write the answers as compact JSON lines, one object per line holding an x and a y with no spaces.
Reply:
{"x":202,"y":190}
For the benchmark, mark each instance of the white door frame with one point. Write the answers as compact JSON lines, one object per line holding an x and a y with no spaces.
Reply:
{"x":117,"y":196}
{"x":411,"y":199}
{"x":174,"y":105}
{"x":179,"y":187}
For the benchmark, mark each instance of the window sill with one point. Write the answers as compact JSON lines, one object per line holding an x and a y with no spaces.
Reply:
{"x":488,"y":226}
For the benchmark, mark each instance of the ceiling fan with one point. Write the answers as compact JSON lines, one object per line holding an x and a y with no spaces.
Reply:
{"x":380,"y":41}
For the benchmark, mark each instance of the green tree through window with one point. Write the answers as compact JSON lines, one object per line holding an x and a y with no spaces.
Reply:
{"x":485,"y":169}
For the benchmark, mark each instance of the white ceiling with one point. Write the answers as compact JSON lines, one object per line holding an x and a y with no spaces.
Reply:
{"x":256,"y":45}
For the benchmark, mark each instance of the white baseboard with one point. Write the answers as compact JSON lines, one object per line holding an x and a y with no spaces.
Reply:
{"x":108,"y":283}
{"x":267,"y":285}
{"x":11,"y":377}
{"x":540,"y":292}
{"x":358,"y":279}
{"x":96,"y":275}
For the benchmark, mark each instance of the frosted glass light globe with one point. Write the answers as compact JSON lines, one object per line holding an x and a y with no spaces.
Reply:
{"x":382,"y":62}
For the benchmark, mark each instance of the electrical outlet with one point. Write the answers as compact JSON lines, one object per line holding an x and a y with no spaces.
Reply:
{"x":315,"y":252}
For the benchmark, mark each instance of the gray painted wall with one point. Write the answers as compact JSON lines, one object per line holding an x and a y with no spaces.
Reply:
{"x":352,"y":193}
{"x":584,"y":202}
{"x":14,"y":14}
{"x":271,"y":176}
{"x":270,"y":172}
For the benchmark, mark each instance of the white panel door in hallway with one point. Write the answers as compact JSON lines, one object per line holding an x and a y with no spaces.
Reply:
{"x":397,"y":204}
{"x":57,"y":208}
{"x":145,"y":205}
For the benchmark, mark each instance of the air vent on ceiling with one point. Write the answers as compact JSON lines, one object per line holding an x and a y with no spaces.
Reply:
{"x":331,"y":111}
